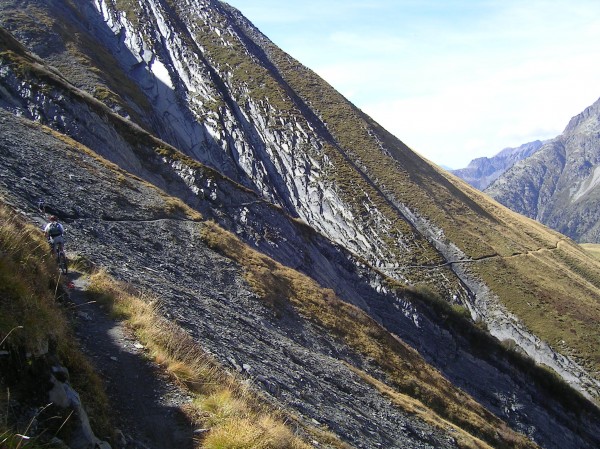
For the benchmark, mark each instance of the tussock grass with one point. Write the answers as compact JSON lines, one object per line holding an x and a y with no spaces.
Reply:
{"x":234,"y":415}
{"x":408,"y":374}
{"x":32,"y":322}
{"x":168,"y":344}
{"x":592,"y":248}
{"x":249,"y":434}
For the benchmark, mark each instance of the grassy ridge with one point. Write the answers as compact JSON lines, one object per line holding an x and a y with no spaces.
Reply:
{"x":255,"y":77}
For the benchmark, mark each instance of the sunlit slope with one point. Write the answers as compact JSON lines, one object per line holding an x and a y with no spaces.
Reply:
{"x":591,"y":248}
{"x":396,"y":210}
{"x":542,"y":277}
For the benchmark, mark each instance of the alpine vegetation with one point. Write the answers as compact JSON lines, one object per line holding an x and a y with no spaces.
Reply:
{"x":347,"y":292}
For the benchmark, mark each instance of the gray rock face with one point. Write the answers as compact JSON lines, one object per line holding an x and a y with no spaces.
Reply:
{"x":195,"y":105}
{"x":559,"y":185}
{"x":483,"y":171}
{"x":272,"y":183}
{"x":295,"y":362}
{"x":63,"y":396}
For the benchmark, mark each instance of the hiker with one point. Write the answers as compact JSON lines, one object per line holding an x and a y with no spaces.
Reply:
{"x":42,"y":205}
{"x":54,"y":232}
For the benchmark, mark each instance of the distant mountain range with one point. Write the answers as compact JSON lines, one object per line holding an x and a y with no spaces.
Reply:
{"x":556,"y":182}
{"x":483,"y":171}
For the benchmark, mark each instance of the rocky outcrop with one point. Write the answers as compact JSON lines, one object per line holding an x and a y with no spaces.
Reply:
{"x":558,"y":186}
{"x":294,"y":361}
{"x":483,"y":171}
{"x":64,"y":397}
{"x":284,"y":159}
{"x":51,"y":404}
{"x":199,"y":112}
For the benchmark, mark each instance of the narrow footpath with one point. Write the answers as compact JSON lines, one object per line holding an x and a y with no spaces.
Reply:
{"x":146,"y":402}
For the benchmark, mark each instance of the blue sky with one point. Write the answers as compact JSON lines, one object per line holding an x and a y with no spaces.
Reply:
{"x":453,"y":79}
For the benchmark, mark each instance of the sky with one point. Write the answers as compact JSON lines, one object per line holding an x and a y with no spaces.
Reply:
{"x":453,"y":79}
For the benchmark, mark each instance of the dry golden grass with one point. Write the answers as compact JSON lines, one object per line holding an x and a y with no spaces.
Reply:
{"x":168,"y":344}
{"x":266,"y":433}
{"x":30,"y":317}
{"x":235,"y":416}
{"x":27,"y":275}
{"x":407,"y":372}
{"x":593,"y":249}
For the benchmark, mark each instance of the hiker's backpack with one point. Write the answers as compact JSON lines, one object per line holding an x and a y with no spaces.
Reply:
{"x":54,"y":230}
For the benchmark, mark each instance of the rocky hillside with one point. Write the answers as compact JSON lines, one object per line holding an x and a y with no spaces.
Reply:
{"x":483,"y":171}
{"x":559,"y":185}
{"x":295,"y":239}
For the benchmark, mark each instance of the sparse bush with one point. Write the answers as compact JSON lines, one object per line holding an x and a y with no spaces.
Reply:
{"x":425,"y":291}
{"x":481,"y":324}
{"x":461,"y":311}
{"x":509,"y":344}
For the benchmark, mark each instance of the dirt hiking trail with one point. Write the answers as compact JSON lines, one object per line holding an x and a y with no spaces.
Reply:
{"x":145,"y":400}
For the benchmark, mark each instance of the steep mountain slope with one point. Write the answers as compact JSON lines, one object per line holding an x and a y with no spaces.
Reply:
{"x":307,"y":179}
{"x":312,"y":372}
{"x":483,"y":171}
{"x":559,"y":185}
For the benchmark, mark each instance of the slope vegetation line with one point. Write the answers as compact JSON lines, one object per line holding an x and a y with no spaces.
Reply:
{"x":146,"y":401}
{"x":281,"y":288}
{"x":477,"y":259}
{"x":224,"y":410}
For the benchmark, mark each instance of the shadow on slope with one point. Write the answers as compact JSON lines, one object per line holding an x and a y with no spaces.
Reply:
{"x":205,"y":293}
